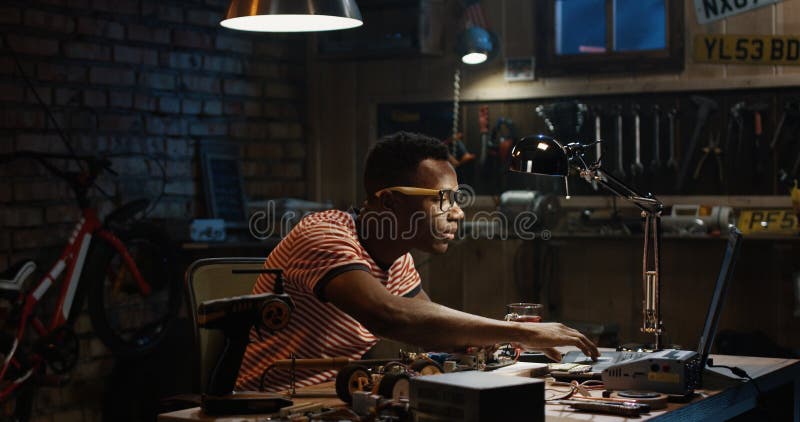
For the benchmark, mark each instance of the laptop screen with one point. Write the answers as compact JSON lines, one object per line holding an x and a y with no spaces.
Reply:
{"x":723,"y":281}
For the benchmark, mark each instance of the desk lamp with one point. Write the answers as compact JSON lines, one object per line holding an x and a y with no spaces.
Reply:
{"x":543,"y":155}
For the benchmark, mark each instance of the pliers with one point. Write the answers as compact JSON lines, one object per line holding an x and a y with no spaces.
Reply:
{"x":711,"y":147}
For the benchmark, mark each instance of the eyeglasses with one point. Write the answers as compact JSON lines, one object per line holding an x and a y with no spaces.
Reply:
{"x":447,"y":197}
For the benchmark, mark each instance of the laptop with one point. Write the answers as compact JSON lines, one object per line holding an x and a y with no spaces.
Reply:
{"x":608,"y":359}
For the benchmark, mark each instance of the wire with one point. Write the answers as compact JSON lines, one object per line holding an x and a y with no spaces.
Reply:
{"x":263,"y":377}
{"x":149,"y":158}
{"x":61,"y":135}
{"x":741,"y":373}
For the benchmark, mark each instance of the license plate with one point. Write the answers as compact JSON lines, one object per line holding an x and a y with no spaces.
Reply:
{"x":775,"y":221}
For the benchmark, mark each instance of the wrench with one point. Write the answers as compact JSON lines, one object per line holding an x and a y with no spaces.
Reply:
{"x":656,"y":162}
{"x":597,"y":134}
{"x":737,"y":120}
{"x":620,"y":170}
{"x":672,"y":163}
{"x":637,"y":168}
{"x":705,"y":106}
{"x":791,"y":109}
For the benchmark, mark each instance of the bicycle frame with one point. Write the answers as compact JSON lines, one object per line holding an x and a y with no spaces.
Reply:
{"x":72,"y":260}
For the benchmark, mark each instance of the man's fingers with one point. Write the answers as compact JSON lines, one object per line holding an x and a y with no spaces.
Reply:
{"x":582,"y":343}
{"x":552,"y":353}
{"x":588,"y":348}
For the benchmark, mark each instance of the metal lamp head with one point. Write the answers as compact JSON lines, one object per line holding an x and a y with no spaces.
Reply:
{"x":540,"y":154}
{"x":476,"y":45}
{"x":292,"y":15}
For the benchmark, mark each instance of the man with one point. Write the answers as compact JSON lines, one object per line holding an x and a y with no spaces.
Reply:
{"x":353,"y":280}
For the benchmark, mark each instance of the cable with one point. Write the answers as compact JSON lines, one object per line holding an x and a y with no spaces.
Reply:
{"x":741,"y":373}
{"x":149,"y":158}
{"x":61,"y":134}
{"x":263,"y":377}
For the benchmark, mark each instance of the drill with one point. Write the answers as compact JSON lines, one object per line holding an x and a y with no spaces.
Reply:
{"x":235,"y":316}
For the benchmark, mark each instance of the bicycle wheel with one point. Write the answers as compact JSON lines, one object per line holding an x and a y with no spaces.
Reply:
{"x":128,"y":322}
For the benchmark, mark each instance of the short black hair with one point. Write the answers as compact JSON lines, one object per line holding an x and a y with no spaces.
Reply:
{"x":393,"y":160}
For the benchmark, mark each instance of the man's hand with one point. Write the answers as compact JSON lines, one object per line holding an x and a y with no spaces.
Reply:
{"x":545,"y":335}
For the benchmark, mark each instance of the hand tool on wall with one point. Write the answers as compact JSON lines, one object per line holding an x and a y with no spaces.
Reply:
{"x":795,"y":167}
{"x":483,"y":123}
{"x":791,"y":111}
{"x":761,"y":153}
{"x":711,"y":148}
{"x":636,"y":167}
{"x":731,"y":159}
{"x":735,"y":122}
{"x":672,"y":162}
{"x":705,"y":106}
{"x":790,"y":117}
{"x":655,"y":163}
{"x":619,"y":171}
{"x":598,"y":135}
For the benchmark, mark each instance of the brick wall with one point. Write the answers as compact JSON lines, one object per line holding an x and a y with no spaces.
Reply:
{"x":138,"y":77}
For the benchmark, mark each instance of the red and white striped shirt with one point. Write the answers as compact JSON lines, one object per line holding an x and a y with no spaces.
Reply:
{"x":320,"y":247}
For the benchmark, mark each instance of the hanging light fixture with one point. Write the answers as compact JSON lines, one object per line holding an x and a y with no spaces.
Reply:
{"x":476,"y":45}
{"x":292,"y":15}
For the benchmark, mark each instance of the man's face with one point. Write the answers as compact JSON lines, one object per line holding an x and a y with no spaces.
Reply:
{"x":420,"y":218}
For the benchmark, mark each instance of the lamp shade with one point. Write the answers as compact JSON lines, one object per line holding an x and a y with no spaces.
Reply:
{"x":539,"y":154}
{"x":476,"y":45}
{"x":292,"y":15}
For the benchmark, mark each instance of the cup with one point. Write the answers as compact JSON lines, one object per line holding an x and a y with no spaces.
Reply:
{"x":524,"y":312}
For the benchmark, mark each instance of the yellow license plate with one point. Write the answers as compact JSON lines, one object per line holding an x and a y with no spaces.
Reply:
{"x":775,"y":221}
{"x":747,"y":49}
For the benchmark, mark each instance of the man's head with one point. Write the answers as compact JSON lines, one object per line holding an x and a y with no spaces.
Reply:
{"x":425,"y":216}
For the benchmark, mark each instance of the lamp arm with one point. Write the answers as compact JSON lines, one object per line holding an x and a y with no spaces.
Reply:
{"x":651,"y":212}
{"x":647,"y":203}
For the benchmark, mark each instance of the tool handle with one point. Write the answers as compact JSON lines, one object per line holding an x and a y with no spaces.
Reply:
{"x":778,"y":130}
{"x":757,"y":123}
{"x":223,"y":376}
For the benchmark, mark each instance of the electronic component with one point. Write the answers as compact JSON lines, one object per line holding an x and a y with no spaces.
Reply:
{"x":668,"y":371}
{"x":477,"y":396}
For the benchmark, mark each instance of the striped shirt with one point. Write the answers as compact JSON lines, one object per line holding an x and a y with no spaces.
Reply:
{"x":320,"y":247}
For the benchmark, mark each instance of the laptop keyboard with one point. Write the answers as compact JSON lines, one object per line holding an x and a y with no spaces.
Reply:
{"x":605,"y":360}
{"x":623,"y":356}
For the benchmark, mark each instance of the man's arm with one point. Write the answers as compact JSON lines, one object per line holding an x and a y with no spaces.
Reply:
{"x":422,"y":295}
{"x":434,"y":326}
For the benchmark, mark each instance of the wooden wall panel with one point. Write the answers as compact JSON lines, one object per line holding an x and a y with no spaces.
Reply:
{"x":337,"y":132}
{"x":698,"y":71}
{"x":760,"y":22}
{"x":518,"y":35}
{"x":787,"y":22}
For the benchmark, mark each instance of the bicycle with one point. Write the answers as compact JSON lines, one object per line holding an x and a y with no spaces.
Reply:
{"x":124,"y":264}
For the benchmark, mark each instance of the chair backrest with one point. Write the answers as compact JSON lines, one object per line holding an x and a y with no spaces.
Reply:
{"x":208,"y":279}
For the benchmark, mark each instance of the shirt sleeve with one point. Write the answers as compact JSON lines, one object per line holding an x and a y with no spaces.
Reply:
{"x":318,"y":251}
{"x":404,"y":280}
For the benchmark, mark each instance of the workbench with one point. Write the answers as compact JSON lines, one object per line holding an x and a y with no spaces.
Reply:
{"x":721,"y":398}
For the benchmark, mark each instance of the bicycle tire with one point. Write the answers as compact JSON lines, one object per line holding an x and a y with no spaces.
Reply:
{"x":128,"y":323}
